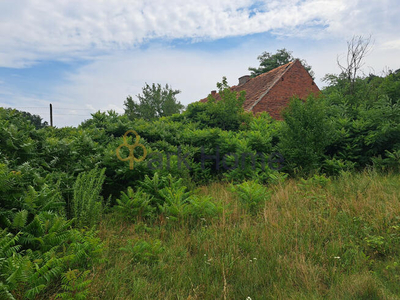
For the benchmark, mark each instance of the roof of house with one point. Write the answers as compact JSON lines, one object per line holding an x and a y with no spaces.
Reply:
{"x":257,"y":87}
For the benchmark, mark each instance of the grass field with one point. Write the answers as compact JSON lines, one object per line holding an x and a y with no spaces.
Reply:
{"x":310,"y":239}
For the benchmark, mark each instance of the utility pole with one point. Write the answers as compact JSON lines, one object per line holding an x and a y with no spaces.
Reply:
{"x":51,"y":115}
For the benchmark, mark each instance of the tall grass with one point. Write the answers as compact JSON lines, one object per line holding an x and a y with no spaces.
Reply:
{"x":312,"y":239}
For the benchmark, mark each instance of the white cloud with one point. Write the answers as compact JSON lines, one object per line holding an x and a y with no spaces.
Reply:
{"x":394,"y":44}
{"x":33,"y":30}
{"x":106,"y":83}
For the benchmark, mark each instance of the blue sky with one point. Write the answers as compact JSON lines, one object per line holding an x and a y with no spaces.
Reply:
{"x":84,"y":56}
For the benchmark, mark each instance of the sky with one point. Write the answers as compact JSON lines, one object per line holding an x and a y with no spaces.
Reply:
{"x":84,"y":56}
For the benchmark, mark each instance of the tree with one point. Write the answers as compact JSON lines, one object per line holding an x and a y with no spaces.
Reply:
{"x":306,"y":133}
{"x":270,"y":61}
{"x":349,"y":85}
{"x":35,"y":120}
{"x":155,"y":102}
{"x":357,"y":48}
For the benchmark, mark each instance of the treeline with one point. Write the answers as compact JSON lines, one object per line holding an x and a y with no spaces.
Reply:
{"x":55,"y":183}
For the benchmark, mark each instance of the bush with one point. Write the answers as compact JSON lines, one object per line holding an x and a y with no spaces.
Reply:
{"x":305,"y":135}
{"x":390,"y":163}
{"x":132,"y":206}
{"x":251,"y":194}
{"x":176,"y":201}
{"x":37,"y":256}
{"x":202,"y":207}
{"x":87,"y":204}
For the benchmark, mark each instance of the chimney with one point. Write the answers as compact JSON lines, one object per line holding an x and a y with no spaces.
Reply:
{"x":244,"y":79}
{"x":213,"y":93}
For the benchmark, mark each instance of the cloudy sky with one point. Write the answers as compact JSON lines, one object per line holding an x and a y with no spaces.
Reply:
{"x":83,"y":56}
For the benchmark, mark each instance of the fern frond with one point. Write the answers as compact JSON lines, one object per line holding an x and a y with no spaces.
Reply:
{"x":87,"y":204}
{"x":5,"y":293}
{"x":31,"y":293}
{"x":20,"y":219}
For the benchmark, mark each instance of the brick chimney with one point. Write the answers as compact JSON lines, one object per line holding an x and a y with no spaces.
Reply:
{"x":213,"y":93}
{"x":244,"y":79}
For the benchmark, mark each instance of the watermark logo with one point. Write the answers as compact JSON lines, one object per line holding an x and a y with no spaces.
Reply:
{"x":131,"y":157}
{"x":228,"y":161}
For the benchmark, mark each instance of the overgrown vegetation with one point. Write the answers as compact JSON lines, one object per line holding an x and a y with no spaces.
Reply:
{"x":318,"y":238}
{"x":226,"y":204}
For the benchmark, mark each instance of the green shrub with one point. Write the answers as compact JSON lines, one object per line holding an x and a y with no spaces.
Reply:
{"x":75,"y":285}
{"x":87,"y":205}
{"x":305,"y":135}
{"x":156,"y":186}
{"x":226,"y":113}
{"x":202,"y":207}
{"x":176,"y":201}
{"x":28,"y":269}
{"x":389,"y":163}
{"x":335,"y":166}
{"x":251,"y":194}
{"x":134,"y":205}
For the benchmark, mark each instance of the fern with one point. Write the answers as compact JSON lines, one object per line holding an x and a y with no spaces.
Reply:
{"x":17,"y":268}
{"x":84,"y":249}
{"x":87,"y":204}
{"x":176,"y":202}
{"x":201,"y":207}
{"x":31,"y":293}
{"x":46,"y":199}
{"x":8,"y":243}
{"x":75,"y":285}
{"x":5,"y":292}
{"x":251,"y":194}
{"x":154,"y":186}
{"x":35,"y":258}
{"x":20,"y":219}
{"x":133,"y":205}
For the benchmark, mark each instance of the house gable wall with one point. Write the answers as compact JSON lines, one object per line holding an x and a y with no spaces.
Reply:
{"x":296,"y":82}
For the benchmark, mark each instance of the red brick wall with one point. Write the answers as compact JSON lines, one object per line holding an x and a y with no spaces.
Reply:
{"x":296,"y":82}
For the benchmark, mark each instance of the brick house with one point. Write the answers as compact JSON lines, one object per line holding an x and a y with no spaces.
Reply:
{"x":272,"y":91}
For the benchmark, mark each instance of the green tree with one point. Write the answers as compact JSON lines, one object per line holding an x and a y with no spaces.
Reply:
{"x":156,"y":101}
{"x":390,"y":86}
{"x":269,"y":61}
{"x":306,"y":133}
{"x":35,"y":120}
